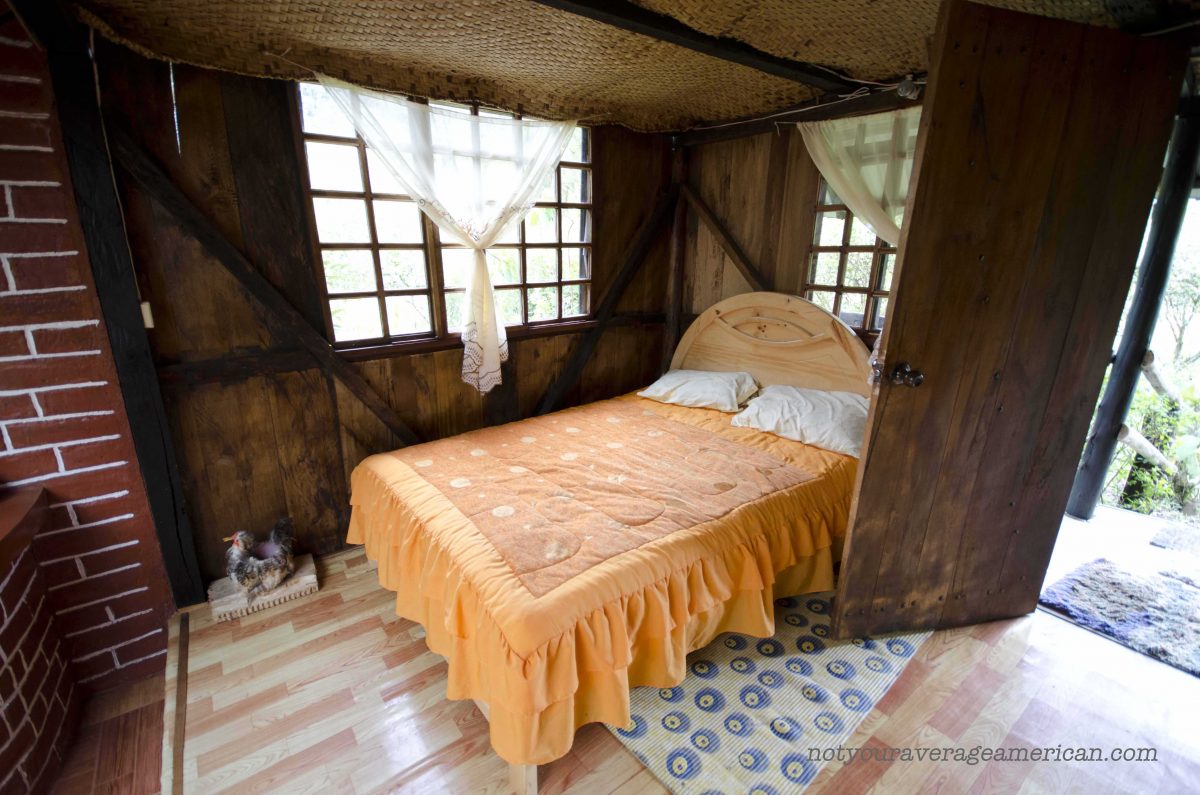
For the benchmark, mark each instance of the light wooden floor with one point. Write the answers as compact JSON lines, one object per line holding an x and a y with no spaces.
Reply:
{"x":334,"y":693}
{"x":117,"y":746}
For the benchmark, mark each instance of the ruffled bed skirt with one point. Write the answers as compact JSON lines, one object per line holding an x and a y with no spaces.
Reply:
{"x":538,"y":697}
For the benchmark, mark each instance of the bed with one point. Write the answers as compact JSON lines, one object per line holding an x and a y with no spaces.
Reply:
{"x":559,"y":561}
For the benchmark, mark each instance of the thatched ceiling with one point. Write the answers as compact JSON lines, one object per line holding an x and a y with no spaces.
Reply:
{"x":523,"y":56}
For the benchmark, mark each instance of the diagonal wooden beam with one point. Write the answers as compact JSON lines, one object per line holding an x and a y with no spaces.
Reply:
{"x":147,"y":173}
{"x":828,"y":106}
{"x":627,"y":16}
{"x":732,"y":250}
{"x":634,"y":257}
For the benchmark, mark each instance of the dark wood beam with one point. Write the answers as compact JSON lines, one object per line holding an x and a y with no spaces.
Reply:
{"x":675,"y":259}
{"x":237,"y":367}
{"x":820,"y":109}
{"x":634,"y":18}
{"x":634,"y":257}
{"x":1165,"y":223}
{"x":289,"y":323}
{"x":65,"y":42}
{"x":730,"y":246}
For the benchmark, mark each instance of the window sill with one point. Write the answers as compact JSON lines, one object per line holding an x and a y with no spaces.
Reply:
{"x":385,"y":350}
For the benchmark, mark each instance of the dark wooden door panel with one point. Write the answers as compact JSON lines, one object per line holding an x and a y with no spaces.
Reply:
{"x":1040,"y":148}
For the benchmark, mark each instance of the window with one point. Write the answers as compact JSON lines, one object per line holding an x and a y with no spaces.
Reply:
{"x":849,"y":269}
{"x":386,"y":274}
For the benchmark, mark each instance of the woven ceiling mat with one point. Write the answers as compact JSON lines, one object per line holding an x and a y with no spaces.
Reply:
{"x":519,"y":55}
{"x":511,"y":54}
{"x":873,"y":40}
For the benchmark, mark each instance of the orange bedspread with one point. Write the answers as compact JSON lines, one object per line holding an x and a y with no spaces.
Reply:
{"x":559,"y":561}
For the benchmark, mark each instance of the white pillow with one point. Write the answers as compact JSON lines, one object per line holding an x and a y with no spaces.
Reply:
{"x":834,"y":421}
{"x":701,"y":389}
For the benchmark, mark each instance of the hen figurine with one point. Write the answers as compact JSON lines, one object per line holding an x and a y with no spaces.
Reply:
{"x":257,"y":568}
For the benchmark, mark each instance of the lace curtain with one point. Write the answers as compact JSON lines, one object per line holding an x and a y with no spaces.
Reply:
{"x":867,"y":161}
{"x":474,"y":175}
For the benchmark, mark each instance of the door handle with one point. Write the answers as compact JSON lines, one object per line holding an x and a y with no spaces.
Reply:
{"x":904,"y":375}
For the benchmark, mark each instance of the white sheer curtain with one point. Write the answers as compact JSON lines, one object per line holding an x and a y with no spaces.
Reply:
{"x":867,"y":161}
{"x":474,"y":175}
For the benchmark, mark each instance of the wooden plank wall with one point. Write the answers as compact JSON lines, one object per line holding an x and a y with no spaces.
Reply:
{"x":281,"y":437}
{"x":763,"y":189}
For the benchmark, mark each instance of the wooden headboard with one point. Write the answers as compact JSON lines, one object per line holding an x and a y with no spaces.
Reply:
{"x":779,"y":339}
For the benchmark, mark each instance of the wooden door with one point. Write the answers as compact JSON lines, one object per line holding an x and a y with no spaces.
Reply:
{"x":1040,"y":147}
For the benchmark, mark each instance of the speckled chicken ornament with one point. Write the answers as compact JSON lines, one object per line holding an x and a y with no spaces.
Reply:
{"x":256,"y":567}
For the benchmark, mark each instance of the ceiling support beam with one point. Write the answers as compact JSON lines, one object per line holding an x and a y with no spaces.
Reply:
{"x":818,"y":110}
{"x":634,"y":18}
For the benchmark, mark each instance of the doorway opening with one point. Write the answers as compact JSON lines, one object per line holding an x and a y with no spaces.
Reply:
{"x":1132,"y":571}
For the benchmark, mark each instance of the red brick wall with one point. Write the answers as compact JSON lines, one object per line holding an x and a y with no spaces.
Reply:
{"x":39,"y":702}
{"x":62,"y":420}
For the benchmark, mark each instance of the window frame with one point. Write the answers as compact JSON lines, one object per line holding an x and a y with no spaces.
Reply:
{"x":432,"y":246}
{"x":879,"y":251}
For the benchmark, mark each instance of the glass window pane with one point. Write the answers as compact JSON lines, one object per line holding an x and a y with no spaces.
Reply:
{"x":456,"y":266}
{"x":830,"y":228}
{"x":333,"y":166}
{"x":885,"y":271}
{"x":355,"y":319}
{"x":575,"y":263}
{"x":504,"y":265}
{"x":825,"y":268}
{"x":382,"y":180}
{"x":541,"y":225}
{"x":881,"y":305}
{"x":349,"y":271}
{"x":854,"y":307}
{"x":341,"y":220}
{"x":861,"y":234}
{"x":403,"y":269}
{"x":827,"y":195}
{"x":576,"y":226}
{"x":408,"y":314}
{"x":541,"y":265}
{"x":575,"y":185}
{"x":574,"y":300}
{"x":821,"y":298}
{"x":576,"y":151}
{"x":398,"y":221}
{"x":858,"y":269}
{"x":508,"y":305}
{"x":320,"y":115}
{"x":543,"y":303}
{"x":511,"y":234}
{"x":454,"y":309}
{"x":547,"y":191}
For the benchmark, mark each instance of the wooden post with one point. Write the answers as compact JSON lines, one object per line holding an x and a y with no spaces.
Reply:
{"x":675,"y":277}
{"x":1173,"y":194}
{"x":103,"y":226}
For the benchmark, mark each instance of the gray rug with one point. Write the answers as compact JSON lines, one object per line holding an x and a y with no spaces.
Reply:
{"x":1157,"y":616}
{"x":1182,"y":537}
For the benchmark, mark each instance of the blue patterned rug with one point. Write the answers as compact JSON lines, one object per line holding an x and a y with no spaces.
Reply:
{"x":751,"y":711}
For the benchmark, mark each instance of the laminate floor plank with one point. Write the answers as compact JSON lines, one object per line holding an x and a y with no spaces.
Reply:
{"x":333,"y":693}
